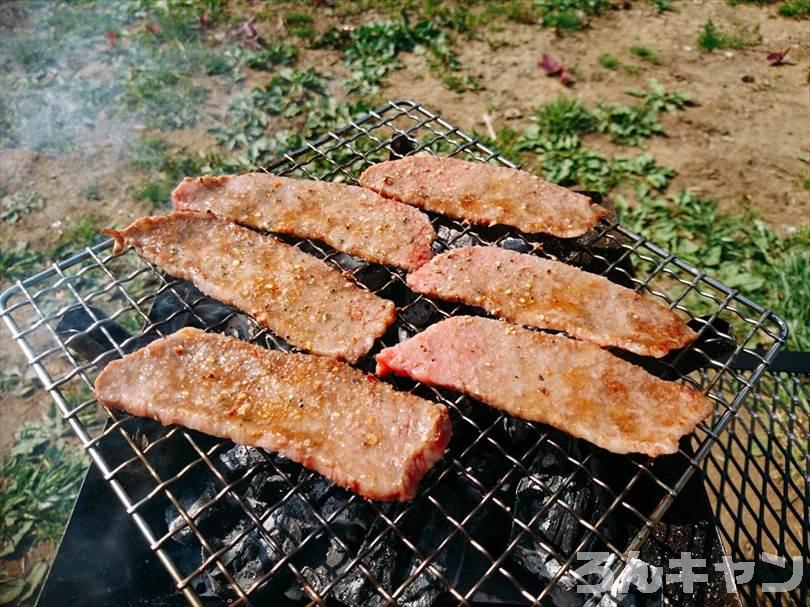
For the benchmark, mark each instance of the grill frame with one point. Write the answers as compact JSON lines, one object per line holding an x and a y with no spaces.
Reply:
{"x":398,"y":119}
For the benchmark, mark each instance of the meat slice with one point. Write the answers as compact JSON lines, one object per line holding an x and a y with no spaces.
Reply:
{"x":548,"y":294}
{"x":483,"y":193}
{"x":354,"y":429}
{"x":572,"y":385}
{"x":293,"y":294}
{"x":346,"y":217}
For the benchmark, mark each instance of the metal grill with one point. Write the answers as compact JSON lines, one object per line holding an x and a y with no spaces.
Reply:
{"x":757,"y":477}
{"x":499,"y":520}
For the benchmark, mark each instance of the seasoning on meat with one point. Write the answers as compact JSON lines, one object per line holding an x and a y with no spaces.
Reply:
{"x":483,"y":193}
{"x":349,"y":218}
{"x":293,"y":294}
{"x":354,"y":429}
{"x":548,"y":294}
{"x":572,"y":385}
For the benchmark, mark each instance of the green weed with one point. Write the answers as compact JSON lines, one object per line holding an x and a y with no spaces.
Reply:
{"x":275,"y":53}
{"x":39,"y":479}
{"x":461,"y":84}
{"x":609,"y":62}
{"x":712,"y":38}
{"x":19,"y":262}
{"x":795,"y":9}
{"x":18,"y":205}
{"x":153,"y":156}
{"x":300,"y":25}
{"x":663,"y":5}
{"x":569,"y":15}
{"x":646,"y":53}
{"x":371,"y":51}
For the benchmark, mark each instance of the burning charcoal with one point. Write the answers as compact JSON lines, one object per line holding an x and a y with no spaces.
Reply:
{"x":557,"y":526}
{"x":74,"y":325}
{"x":454,"y":238}
{"x":247,"y":560}
{"x":372,"y":276}
{"x":176,"y":522}
{"x":420,"y":314}
{"x":183,"y":305}
{"x":516,"y":244}
{"x":240,"y":458}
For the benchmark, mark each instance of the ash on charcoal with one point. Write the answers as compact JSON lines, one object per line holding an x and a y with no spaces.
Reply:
{"x":181,"y":533}
{"x":247,"y":560}
{"x":240,"y":458}
{"x":516,"y":244}
{"x":453,"y":238}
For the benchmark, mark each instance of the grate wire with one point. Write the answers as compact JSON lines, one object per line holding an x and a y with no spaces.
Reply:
{"x":117,"y":295}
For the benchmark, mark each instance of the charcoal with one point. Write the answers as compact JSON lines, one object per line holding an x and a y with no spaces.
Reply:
{"x":454,"y":238}
{"x":420,"y":314}
{"x":516,"y":244}
{"x":193,"y":508}
{"x":246,"y":561}
{"x":557,"y":527}
{"x":349,"y":262}
{"x":373,"y":277}
{"x":89,"y":345}
{"x":239,"y":458}
{"x":518,"y":432}
{"x":184,"y":305}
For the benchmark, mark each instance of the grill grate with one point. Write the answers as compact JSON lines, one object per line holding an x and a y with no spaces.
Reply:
{"x":758,"y":479}
{"x":499,"y":520}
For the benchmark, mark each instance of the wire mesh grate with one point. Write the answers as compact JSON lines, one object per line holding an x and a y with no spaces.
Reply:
{"x":500,"y":519}
{"x":758,"y":479}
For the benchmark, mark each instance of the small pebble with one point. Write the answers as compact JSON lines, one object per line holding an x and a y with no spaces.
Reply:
{"x":748,"y":78}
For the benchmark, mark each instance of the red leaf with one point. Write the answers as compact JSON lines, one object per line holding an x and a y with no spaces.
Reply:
{"x":566,"y":77}
{"x":153,"y":27}
{"x":777,"y":58}
{"x":550,"y":65}
{"x":112,"y":38}
{"x":205,"y":20}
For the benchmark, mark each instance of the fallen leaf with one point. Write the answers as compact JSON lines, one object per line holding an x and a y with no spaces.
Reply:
{"x":777,"y":58}
{"x":153,"y":27}
{"x":112,"y":38}
{"x":566,"y":77}
{"x":550,"y":65}
{"x":205,"y":20}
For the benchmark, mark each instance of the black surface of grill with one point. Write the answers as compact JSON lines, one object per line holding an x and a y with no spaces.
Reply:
{"x":499,"y":521}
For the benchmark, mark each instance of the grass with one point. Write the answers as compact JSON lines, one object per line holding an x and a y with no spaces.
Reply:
{"x":712,"y":38}
{"x":609,"y":61}
{"x":39,"y":479}
{"x":569,"y":15}
{"x":14,"y":207}
{"x":300,"y":25}
{"x":796,"y":9}
{"x":646,"y":54}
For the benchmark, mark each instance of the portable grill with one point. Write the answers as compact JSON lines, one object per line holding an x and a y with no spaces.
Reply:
{"x":498,"y":521}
